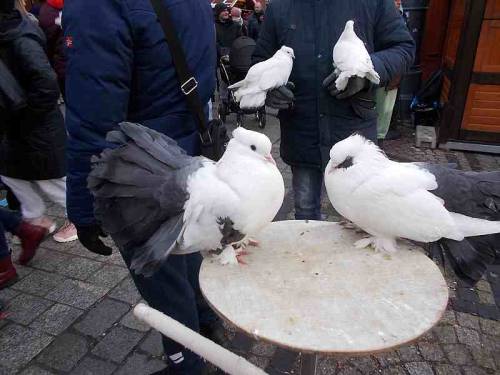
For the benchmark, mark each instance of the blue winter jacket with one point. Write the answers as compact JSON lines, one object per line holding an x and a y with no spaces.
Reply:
{"x":120,"y":68}
{"x":311,"y":28}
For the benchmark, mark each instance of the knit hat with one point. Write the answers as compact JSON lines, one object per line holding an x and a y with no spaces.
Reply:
{"x":7,"y":6}
{"x":219,"y":8}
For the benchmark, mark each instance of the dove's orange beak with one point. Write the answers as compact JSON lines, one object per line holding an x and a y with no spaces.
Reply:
{"x":270,"y":159}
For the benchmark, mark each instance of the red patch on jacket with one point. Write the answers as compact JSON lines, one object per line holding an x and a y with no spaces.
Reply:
{"x":69,"y":42}
{"x":58,"y":4}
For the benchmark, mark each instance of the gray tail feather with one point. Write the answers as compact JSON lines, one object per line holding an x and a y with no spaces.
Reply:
{"x":469,"y":258}
{"x":149,"y":256}
{"x":139,"y":190}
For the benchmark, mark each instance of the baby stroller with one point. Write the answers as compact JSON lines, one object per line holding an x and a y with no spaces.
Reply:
{"x":233,"y":70}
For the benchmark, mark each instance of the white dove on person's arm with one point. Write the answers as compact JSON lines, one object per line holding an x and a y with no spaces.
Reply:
{"x":391,"y":200}
{"x":351,"y":58}
{"x":263,"y":77}
{"x":155,"y":200}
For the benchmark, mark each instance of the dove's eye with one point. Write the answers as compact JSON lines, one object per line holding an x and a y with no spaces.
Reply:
{"x":253,"y":147}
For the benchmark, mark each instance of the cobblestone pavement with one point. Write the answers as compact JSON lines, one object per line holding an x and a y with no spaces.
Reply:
{"x":70,"y":313}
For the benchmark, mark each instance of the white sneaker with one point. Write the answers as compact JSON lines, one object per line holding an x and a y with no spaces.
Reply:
{"x":66,"y":233}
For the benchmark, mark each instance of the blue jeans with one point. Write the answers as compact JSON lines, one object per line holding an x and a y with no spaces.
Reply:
{"x":9,"y":221}
{"x":175,"y":290}
{"x":307,"y":184}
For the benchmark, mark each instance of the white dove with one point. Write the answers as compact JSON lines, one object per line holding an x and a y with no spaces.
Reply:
{"x":262,"y":77}
{"x":350,"y":58}
{"x":388,"y":199}
{"x":153,"y":198}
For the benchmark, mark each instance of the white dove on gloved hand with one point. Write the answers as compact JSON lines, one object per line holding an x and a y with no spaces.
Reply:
{"x":152,"y":197}
{"x":263,"y":77}
{"x":353,"y":65}
{"x":416,"y":201}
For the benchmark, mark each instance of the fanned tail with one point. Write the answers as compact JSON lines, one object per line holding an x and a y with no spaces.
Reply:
{"x":139,"y":190}
{"x":470,"y":226}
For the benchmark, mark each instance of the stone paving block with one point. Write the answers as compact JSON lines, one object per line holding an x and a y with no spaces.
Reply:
{"x":35,"y":370}
{"x":39,"y":283}
{"x":447,"y":370}
{"x":64,"y":352}
{"x":130,"y":321}
{"x":101,"y":317}
{"x":283,"y":361}
{"x":78,"y":268}
{"x":457,"y":354}
{"x":387,"y":359}
{"x":483,"y":357}
{"x":446,"y":334}
{"x":140,"y":364}
{"x":77,"y":294}
{"x":471,"y":370}
{"x":108,"y":276}
{"x":486,"y":298}
{"x":394,"y":370}
{"x":48,"y":260}
{"x":409,"y":353}
{"x":19,"y":345}
{"x":126,"y":292}
{"x":263,"y":349}
{"x":25,"y":308}
{"x":468,"y":320}
{"x":8,"y":294}
{"x":92,"y":366}
{"x":116,"y":258}
{"x":349,"y":370}
{"x":152,"y":344}
{"x":419,"y":368}
{"x":468,"y":337}
{"x":491,"y":327}
{"x":56,"y":319}
{"x":449,"y":317}
{"x":117,"y":344}
{"x":431,"y":351}
{"x":365,"y":364}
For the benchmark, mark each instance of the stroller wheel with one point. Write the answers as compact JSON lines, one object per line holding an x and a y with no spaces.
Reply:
{"x":261,"y":114}
{"x":239,"y":119}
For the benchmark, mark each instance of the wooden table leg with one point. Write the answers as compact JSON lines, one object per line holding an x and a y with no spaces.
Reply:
{"x":308,"y":363}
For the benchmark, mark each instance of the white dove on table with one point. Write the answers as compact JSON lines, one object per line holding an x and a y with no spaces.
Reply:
{"x":152,"y":197}
{"x":391,"y":200}
{"x":263,"y":77}
{"x":351,"y":58}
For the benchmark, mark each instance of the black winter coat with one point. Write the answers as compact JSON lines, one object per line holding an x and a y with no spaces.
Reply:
{"x":227,"y":33}
{"x":34,"y":138}
{"x":311,"y":28}
{"x":254,"y":26}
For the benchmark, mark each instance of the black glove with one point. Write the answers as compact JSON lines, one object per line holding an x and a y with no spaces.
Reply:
{"x":282,"y":97}
{"x":355,"y":84}
{"x":89,"y":237}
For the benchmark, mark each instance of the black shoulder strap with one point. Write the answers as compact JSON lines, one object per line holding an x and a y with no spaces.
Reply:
{"x":188,"y":82}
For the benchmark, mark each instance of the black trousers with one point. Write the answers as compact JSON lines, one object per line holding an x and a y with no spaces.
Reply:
{"x":175,"y":290}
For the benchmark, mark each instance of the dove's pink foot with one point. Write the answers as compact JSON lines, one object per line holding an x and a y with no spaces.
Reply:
{"x":239,"y":255}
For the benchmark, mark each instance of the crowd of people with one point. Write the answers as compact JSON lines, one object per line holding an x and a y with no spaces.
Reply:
{"x":117,"y":67}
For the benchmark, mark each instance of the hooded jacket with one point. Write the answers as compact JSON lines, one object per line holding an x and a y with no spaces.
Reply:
{"x":49,"y":12}
{"x":34,"y":141}
{"x":119,"y":68}
{"x":311,"y":28}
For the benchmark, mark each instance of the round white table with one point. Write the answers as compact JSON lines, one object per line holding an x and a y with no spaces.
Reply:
{"x":306,"y":287}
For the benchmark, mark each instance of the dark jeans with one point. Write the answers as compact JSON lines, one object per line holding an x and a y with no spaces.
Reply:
{"x":175,"y":290}
{"x":9,"y":221}
{"x":307,"y":184}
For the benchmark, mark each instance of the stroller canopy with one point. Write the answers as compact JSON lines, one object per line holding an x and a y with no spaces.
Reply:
{"x":240,"y":54}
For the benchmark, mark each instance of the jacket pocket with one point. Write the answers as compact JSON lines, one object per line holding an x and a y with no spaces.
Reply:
{"x":364,"y":105}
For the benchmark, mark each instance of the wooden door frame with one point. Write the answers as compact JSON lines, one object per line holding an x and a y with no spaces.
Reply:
{"x":461,"y":75}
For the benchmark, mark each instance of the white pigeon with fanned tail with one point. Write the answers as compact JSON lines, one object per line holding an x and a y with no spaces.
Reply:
{"x":263,"y":77}
{"x":155,"y":200}
{"x":351,"y":58}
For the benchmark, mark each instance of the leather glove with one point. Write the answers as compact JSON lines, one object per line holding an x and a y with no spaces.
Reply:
{"x":282,"y":97}
{"x":355,"y":84}
{"x":89,"y":235}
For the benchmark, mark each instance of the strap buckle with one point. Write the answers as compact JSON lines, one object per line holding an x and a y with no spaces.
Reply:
{"x":188,"y":86}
